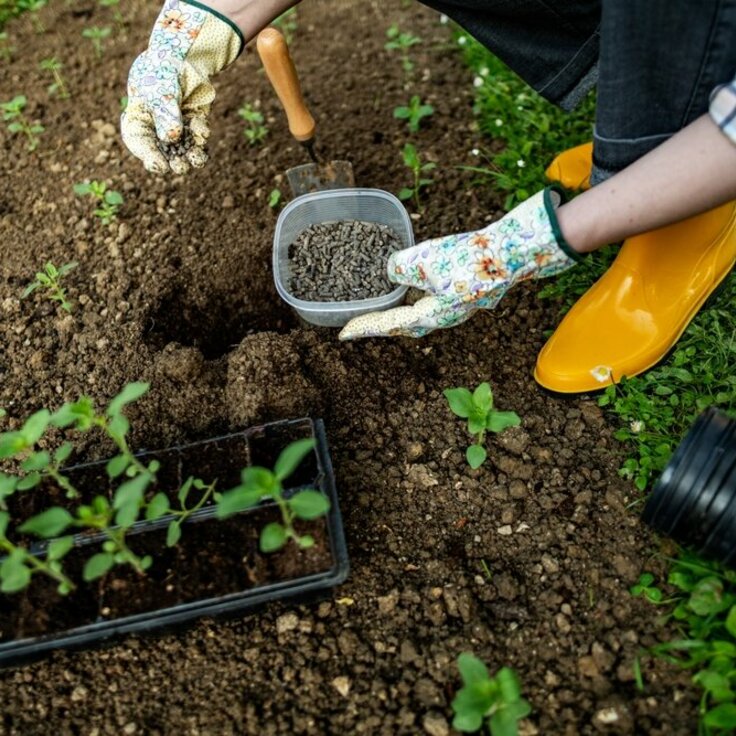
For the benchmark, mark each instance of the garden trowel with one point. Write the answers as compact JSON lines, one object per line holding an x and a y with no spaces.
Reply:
{"x":316,"y":176}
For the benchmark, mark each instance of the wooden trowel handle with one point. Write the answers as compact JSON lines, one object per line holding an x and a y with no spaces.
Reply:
{"x":281,"y":71}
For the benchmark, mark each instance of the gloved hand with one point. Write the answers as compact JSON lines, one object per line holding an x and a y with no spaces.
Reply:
{"x":169,"y":86}
{"x":472,"y":270}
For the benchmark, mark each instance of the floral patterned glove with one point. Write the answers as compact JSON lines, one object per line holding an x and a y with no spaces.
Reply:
{"x":471,"y":271}
{"x":169,"y":84}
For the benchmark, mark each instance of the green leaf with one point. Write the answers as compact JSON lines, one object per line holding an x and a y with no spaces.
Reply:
{"x":509,"y":685}
{"x":81,"y":413}
{"x":731,"y":622}
{"x":48,"y":523}
{"x":157,"y":507}
{"x":173,"y":534}
{"x":37,"y":461}
{"x":472,"y":669}
{"x":476,"y":421}
{"x":131,"y":491}
{"x":4,"y":521}
{"x":184,"y":491}
{"x":35,"y":426}
{"x":8,"y":484}
{"x":97,"y":565}
{"x":117,"y":465}
{"x":306,"y":541}
{"x":114,"y":198}
{"x":11,"y":443}
{"x":58,"y":548}
{"x":500,"y":420}
{"x":722,"y":716}
{"x":127,"y":514}
{"x":476,"y":456}
{"x":405,"y":194}
{"x":292,"y":456}
{"x":238,"y":499}
{"x":309,"y":505}
{"x":14,"y":574}
{"x":62,"y":453}
{"x":30,"y":481}
{"x":132,"y":392}
{"x":460,"y":401}
{"x":483,"y":398}
{"x":119,"y":426}
{"x":260,"y":479}
{"x":273,"y":537}
{"x":707,"y":597}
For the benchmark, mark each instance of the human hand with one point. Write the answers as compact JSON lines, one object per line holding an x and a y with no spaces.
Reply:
{"x":169,"y":90}
{"x":470,"y":271}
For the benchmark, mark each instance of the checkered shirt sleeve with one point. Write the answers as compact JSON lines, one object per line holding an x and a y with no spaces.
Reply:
{"x":723,"y":108}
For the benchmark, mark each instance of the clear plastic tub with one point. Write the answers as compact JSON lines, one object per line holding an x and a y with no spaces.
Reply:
{"x":367,"y":205}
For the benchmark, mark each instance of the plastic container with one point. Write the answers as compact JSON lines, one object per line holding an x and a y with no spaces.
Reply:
{"x":300,"y":588}
{"x":694,"y":500}
{"x":367,"y":205}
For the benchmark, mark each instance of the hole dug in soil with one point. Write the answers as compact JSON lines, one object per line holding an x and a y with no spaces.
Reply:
{"x":213,"y":322}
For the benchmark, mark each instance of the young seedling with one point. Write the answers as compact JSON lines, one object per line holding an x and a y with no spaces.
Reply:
{"x":48,"y":280}
{"x":255,"y":131}
{"x":58,"y":86}
{"x":401,"y":42}
{"x":113,"y":516}
{"x":495,"y":701}
{"x":109,"y":201}
{"x":477,"y":408}
{"x":274,"y":199}
{"x":6,"y":49}
{"x":97,"y":36}
{"x":18,"y":123}
{"x":123,"y":103}
{"x":414,"y":113}
{"x":645,"y":588}
{"x":259,"y":484}
{"x":116,"y":14}
{"x":419,"y":170}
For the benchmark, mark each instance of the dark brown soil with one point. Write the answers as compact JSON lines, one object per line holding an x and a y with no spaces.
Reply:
{"x":179,"y":293}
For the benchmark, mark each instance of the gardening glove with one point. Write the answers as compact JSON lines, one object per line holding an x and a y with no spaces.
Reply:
{"x":471,"y":271}
{"x":169,"y":86}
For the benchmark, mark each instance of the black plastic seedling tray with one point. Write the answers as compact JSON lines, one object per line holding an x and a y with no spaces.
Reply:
{"x":317,"y":474}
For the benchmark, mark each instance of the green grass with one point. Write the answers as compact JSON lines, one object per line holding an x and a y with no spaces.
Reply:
{"x":653,"y":411}
{"x":533,"y":130}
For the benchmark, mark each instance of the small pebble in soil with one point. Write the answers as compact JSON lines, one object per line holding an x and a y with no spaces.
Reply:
{"x":342,"y":261}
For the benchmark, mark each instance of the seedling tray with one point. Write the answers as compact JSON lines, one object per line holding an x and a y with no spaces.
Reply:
{"x":326,"y":565}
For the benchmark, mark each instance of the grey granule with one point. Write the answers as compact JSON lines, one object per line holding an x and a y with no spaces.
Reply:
{"x":342,"y":261}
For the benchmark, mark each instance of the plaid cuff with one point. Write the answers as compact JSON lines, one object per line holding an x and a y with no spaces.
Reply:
{"x":723,"y":108}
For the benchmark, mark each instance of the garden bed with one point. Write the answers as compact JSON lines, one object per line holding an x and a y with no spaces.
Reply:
{"x":526,"y":561}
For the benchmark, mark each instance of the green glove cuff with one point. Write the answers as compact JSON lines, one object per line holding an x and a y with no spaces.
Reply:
{"x":554,"y":196}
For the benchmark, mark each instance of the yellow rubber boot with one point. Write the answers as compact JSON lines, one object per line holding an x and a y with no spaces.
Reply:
{"x":634,"y":314}
{"x":572,"y":168}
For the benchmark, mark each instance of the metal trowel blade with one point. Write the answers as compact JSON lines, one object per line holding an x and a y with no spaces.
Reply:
{"x":310,"y":178}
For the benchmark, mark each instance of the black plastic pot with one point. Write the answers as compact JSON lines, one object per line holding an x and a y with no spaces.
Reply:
{"x":694,"y":501}
{"x":258,"y":446}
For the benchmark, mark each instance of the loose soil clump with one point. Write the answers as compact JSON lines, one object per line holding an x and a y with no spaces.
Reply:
{"x":342,"y":261}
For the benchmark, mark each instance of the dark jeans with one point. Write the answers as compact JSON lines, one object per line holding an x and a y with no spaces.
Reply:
{"x":655,"y":62}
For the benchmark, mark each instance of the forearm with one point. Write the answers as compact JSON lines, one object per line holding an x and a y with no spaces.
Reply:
{"x":251,"y":16}
{"x":692,"y":172}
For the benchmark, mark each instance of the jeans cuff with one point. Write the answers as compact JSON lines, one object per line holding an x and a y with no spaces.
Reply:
{"x":576,"y":95}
